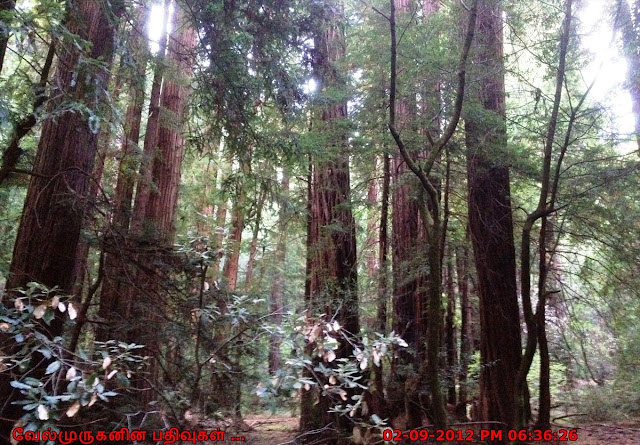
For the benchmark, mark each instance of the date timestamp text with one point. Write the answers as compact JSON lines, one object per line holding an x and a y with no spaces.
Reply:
{"x":459,"y":435}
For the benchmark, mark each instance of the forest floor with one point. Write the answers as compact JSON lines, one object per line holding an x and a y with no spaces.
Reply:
{"x":282,"y":430}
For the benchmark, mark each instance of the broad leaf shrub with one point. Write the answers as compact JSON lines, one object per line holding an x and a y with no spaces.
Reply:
{"x":314,"y":347}
{"x":71,"y":382}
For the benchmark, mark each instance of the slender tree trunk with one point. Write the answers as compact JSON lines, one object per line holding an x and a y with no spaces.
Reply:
{"x":491,"y":226}
{"x":450,"y":334}
{"x":253,"y":246}
{"x":410,"y":276}
{"x":466,"y":342}
{"x":536,"y":323}
{"x":221,"y":221}
{"x":56,"y":202}
{"x":377,"y":389}
{"x":430,"y":211}
{"x":11,"y":154}
{"x":276,"y":296}
{"x":234,"y":243}
{"x":6,"y":7}
{"x":371,"y":241}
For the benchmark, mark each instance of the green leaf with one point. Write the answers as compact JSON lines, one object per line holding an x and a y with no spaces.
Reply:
{"x":53,"y":367}
{"x":46,"y":353}
{"x":48,"y":316}
{"x":19,"y":385}
{"x":32,"y":381}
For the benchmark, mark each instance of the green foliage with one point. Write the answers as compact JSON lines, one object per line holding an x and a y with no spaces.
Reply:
{"x":71,"y":381}
{"x":315,"y":365}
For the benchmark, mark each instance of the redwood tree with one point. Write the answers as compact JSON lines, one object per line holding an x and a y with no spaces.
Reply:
{"x":490,"y":221}
{"x":331,"y":242}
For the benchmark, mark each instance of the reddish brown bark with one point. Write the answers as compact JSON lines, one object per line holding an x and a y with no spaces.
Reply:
{"x":332,"y":281}
{"x":412,"y":241}
{"x":151,"y":138}
{"x":491,"y":226}
{"x":148,"y":247}
{"x":120,"y":260}
{"x":56,"y":202}
{"x":160,"y":211}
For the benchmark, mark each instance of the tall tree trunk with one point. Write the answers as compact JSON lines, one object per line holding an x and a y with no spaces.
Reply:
{"x":276,"y":295}
{"x":410,"y":276}
{"x":129,"y":159}
{"x":151,"y":236}
{"x":332,"y":285}
{"x":432,"y":223}
{"x":120,"y":246}
{"x":491,"y":226}
{"x":253,"y":246}
{"x":536,"y":323}
{"x":450,"y":334}
{"x":371,"y":241}
{"x":151,"y":137}
{"x":234,"y":243}
{"x":161,"y":209}
{"x":377,"y":389}
{"x":118,"y":272}
{"x":221,"y":220}
{"x":56,"y":202}
{"x":466,"y":342}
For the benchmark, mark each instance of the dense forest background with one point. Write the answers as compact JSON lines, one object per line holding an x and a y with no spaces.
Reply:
{"x":366,"y":213}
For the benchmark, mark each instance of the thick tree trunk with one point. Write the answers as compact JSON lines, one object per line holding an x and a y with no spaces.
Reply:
{"x":56,"y":202}
{"x":332,"y":284}
{"x":147,"y":248}
{"x":491,"y":226}
{"x":118,"y":272}
{"x":160,"y":214}
{"x":129,"y":159}
{"x":151,"y":138}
